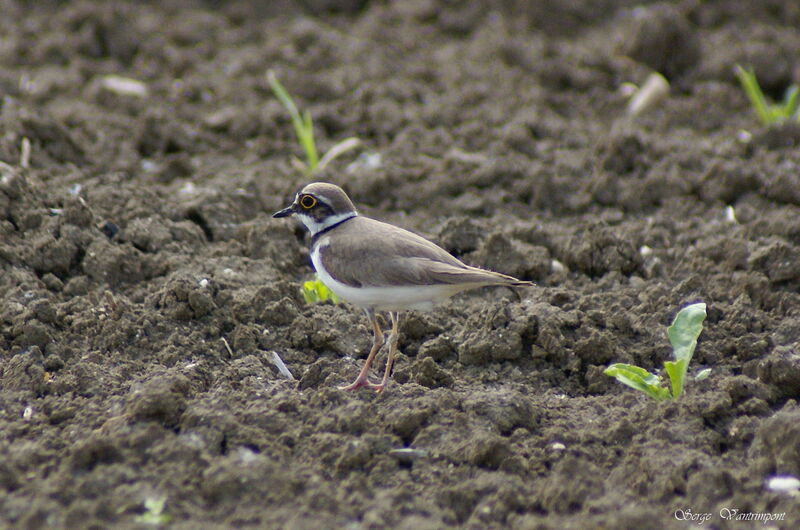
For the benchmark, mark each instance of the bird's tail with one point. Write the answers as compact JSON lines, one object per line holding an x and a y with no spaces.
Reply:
{"x":497,"y":278}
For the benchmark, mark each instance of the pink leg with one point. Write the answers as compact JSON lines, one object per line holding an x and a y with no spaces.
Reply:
{"x":393,"y":337}
{"x":377,"y":342}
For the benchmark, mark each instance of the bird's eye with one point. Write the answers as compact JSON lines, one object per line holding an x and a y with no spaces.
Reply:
{"x":308,"y":202}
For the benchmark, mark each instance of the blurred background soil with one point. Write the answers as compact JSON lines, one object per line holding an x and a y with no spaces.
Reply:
{"x":144,"y":286}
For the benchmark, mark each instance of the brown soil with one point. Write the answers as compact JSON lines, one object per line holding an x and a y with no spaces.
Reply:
{"x":138,"y":241}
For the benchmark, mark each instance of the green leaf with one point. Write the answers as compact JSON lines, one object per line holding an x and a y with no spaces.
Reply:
{"x":767,"y":112}
{"x":683,"y":333}
{"x":154,"y":512}
{"x":315,"y":291}
{"x":330,"y":295}
{"x":676,"y":370}
{"x":790,"y":100}
{"x":638,"y":378}
{"x":309,"y":292}
{"x":747,"y":78}
{"x":282,"y":95}
{"x":304,"y":131}
{"x":303,"y":126}
{"x":685,"y":329}
{"x":308,"y":142}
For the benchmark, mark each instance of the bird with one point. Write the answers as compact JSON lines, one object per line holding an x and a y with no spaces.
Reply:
{"x":379,"y":267}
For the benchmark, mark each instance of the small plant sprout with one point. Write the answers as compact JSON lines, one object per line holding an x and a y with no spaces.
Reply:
{"x":702,"y":374}
{"x":651,"y":94}
{"x":769,"y":113}
{"x":154,"y":512}
{"x":682,"y":335}
{"x":314,"y":291}
{"x":304,"y":130}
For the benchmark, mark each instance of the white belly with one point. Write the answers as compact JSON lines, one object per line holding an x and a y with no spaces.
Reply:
{"x":387,"y":298}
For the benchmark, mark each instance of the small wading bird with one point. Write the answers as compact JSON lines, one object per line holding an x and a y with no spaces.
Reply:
{"x":378,"y":266}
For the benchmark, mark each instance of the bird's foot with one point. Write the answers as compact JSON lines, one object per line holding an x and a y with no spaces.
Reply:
{"x":363,"y":382}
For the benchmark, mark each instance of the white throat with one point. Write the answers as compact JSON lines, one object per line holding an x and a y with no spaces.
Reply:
{"x":316,"y":227}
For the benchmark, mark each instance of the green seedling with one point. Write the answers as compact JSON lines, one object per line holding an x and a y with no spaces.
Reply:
{"x":769,"y":113}
{"x":154,"y":512}
{"x":314,"y":291}
{"x":304,"y":131}
{"x":682,"y":335}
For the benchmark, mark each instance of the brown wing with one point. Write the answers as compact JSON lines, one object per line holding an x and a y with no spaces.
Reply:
{"x":369,"y":252}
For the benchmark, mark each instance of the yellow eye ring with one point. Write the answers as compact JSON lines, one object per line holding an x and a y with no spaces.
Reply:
{"x":308,"y":202}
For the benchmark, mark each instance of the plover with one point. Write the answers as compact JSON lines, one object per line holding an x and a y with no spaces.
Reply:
{"x":379,"y":267}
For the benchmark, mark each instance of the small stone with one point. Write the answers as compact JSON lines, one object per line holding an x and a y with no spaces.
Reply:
{"x":783,"y":484}
{"x":438,"y":348}
{"x":52,"y":282}
{"x":34,"y":333}
{"x":53,"y":363}
{"x":201,"y":303}
{"x":109,"y":228}
{"x":123,"y":86}
{"x":429,"y":374}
